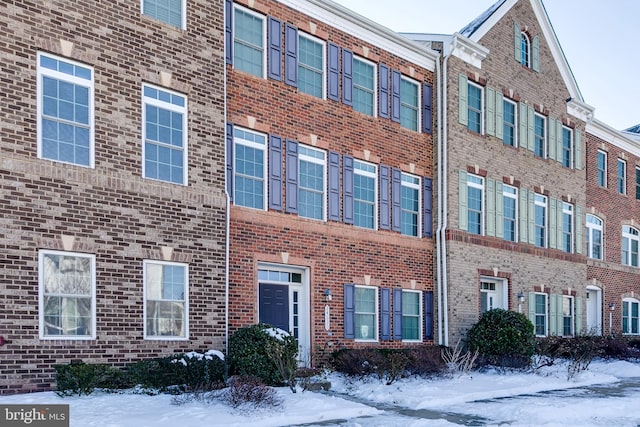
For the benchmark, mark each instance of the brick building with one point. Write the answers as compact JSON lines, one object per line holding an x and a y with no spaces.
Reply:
{"x":330,"y":169}
{"x":112,"y":225}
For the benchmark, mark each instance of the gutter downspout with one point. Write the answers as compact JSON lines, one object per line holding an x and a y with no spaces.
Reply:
{"x":228,"y":202}
{"x":439,"y":172}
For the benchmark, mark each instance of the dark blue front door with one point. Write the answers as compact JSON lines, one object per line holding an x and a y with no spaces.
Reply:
{"x":274,"y":305}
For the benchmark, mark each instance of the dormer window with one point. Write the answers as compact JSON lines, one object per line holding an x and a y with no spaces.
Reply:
{"x":525,"y":50}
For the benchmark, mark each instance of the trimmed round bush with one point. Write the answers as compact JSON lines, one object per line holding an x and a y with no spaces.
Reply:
{"x":254,"y":351}
{"x":503,"y":338}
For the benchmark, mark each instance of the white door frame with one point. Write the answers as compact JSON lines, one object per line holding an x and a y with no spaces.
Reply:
{"x":597,"y":292}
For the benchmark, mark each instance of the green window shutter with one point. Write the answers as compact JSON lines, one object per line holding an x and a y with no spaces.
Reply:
{"x":522,"y":135}
{"x":532,"y":307}
{"x":499,"y":211}
{"x":491,"y":112}
{"x":531,"y":122}
{"x":463,"y":219}
{"x":553,"y":140}
{"x":578,"y":330}
{"x":523,"y":211}
{"x":463,"y":100}
{"x":499,"y":114}
{"x":577,"y":146}
{"x":578,"y":230}
{"x":532,"y":217}
{"x":491,"y":208}
{"x":555,"y":315}
{"x":559,"y":144}
{"x":535,"y":53}
{"x":553,"y":208}
{"x":517,"y":42}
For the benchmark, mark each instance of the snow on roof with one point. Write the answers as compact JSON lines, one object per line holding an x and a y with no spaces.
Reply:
{"x":476,"y":23}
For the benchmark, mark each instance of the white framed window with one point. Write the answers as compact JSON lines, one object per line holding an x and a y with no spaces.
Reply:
{"x":311,"y":65}
{"x":364,"y":86}
{"x":410,"y":205}
{"x":166,"y":300}
{"x":164,"y":135}
{"x":540,"y":220}
{"x":622,"y":176}
{"x":65,"y":111}
{"x":312,"y":181}
{"x":540,"y":314}
{"x":67,"y":295}
{"x":475,"y":204}
{"x":509,"y":120}
{"x":594,"y":237}
{"x":250,"y":168}
{"x":630,"y":316}
{"x":249,"y":41}
{"x":525,"y":49}
{"x":475,"y":108}
{"x":366,"y":313}
{"x":637,"y":183}
{"x":365,"y":194}
{"x":409,"y":104}
{"x":567,"y":147}
{"x":510,"y":212}
{"x":568,"y":315}
{"x":567,"y":227}
{"x":172,"y":12}
{"x":540,"y":135}
{"x":493,"y":294}
{"x":630,"y":243}
{"x":602,"y":169}
{"x":411,"y":316}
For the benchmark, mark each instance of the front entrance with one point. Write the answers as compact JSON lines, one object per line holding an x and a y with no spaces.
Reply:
{"x":594,"y":310}
{"x":283,"y":302}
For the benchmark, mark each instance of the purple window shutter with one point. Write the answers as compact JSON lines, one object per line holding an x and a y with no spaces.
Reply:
{"x":333,"y":75}
{"x":385,"y":313}
{"x":385,"y":198}
{"x":292,"y":176}
{"x":229,"y":175}
{"x":347,"y":189}
{"x":228,"y":30}
{"x":349,"y":311}
{"x":427,"y":207}
{"x":383,"y":102}
{"x":427,"y":114}
{"x":395,"y":95}
{"x":275,"y":49}
{"x":397,"y":314}
{"x":428,"y":315}
{"x":347,"y":77}
{"x":334,"y":186}
{"x":396,"y":200}
{"x":275,"y":172}
{"x":291,"y":55}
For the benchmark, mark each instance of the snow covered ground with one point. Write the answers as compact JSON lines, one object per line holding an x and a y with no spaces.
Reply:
{"x":483,"y":398}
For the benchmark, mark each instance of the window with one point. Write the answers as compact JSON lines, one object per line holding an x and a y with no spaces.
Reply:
{"x":65,"y":111}
{"x":540,"y":314}
{"x":411,"y":315}
{"x":409,"y":95}
{"x":567,"y":227}
{"x":366,"y":313}
{"x":249,"y":53}
{"x":475,"y":204}
{"x":474,"y":109}
{"x":509,"y":122}
{"x":630,"y":242}
{"x":165,"y":135}
{"x":67,"y":295}
{"x":594,"y":237}
{"x":365,"y":184}
{"x":410,"y":205}
{"x":622,"y":176}
{"x":165,"y":300}
{"x":310,"y":65}
{"x":249,"y":168}
{"x":525,"y":48}
{"x":602,"y":169}
{"x":637,"y":183}
{"x":539,"y":135}
{"x":172,"y":12}
{"x":492,"y":294}
{"x":540,"y":206}
{"x":630,"y":318}
{"x":567,"y":315}
{"x":311,"y":188}
{"x":567,"y":147}
{"x":364,"y":83}
{"x":510,"y":212}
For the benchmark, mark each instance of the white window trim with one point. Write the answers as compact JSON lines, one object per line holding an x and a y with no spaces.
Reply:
{"x":568,"y":209}
{"x":629,"y":301}
{"x":420,"y":315}
{"x":145,"y":263}
{"x":604,"y":154}
{"x":265,"y":176}
{"x":377,"y":314}
{"x":571,"y":147}
{"x":418,"y":106}
{"x":41,"y":73}
{"x":546,"y":314}
{"x":573,"y":315}
{"x":482,"y":107}
{"x":513,"y":196}
{"x":591,"y":227}
{"x":183,"y":14}
{"x":544,"y":136}
{"x":264,"y":37}
{"x":515,"y":121}
{"x":375,"y":83}
{"x":42,"y":336}
{"x":528,"y":50}
{"x":376,"y":185}
{"x":479,"y":186}
{"x":417,"y":187}
{"x":545,"y":204}
{"x":323,"y":162}
{"x":631,"y":237}
{"x":623,"y":177}
{"x":324,"y":61}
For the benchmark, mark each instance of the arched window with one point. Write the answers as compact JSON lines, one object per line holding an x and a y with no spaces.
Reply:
{"x":525,"y":49}
{"x":630,"y":316}
{"x":630,"y":243}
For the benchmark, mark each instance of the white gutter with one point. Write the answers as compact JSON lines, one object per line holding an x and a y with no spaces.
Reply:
{"x":228,"y":201}
{"x":439,"y":175}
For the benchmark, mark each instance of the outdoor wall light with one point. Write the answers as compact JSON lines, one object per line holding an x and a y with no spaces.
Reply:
{"x":521,"y":296}
{"x":612,"y":306}
{"x":327,"y":294}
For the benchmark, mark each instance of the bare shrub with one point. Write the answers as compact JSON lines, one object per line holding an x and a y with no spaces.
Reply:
{"x":458,"y":360}
{"x":251,"y":392}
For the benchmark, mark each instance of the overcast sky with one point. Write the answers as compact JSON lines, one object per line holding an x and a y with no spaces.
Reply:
{"x":598,"y":38}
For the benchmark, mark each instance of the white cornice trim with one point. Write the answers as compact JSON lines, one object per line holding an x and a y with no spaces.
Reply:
{"x":580,"y":110}
{"x":369,"y":31}
{"x":497,"y":15}
{"x":468,"y":50}
{"x":614,"y":137}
